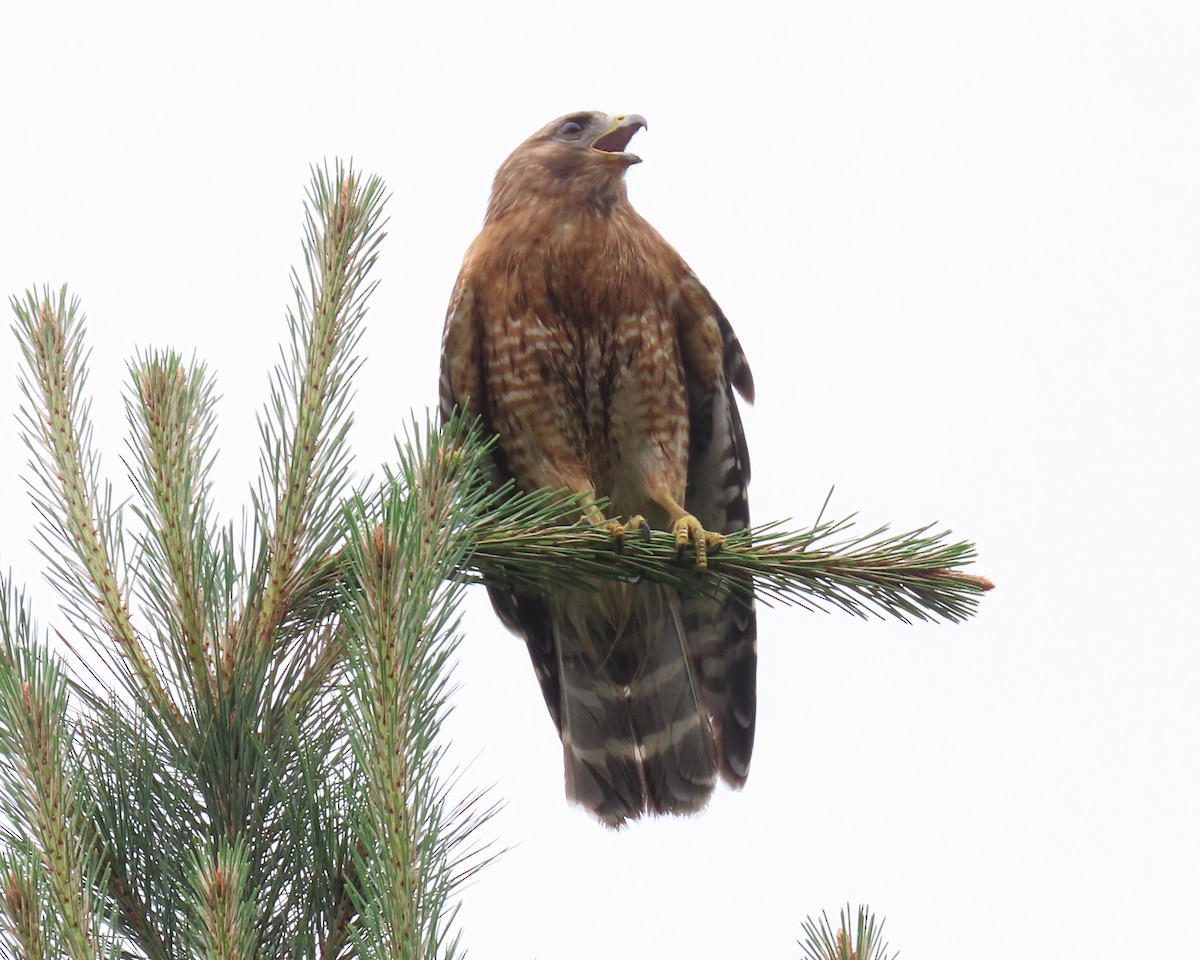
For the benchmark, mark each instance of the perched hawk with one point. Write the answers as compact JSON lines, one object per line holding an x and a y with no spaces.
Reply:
{"x":584,"y":341}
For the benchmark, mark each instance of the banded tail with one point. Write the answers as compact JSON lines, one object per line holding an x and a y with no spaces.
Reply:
{"x":639,"y":680}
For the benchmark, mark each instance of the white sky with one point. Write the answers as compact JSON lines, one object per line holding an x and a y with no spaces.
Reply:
{"x":961,"y":246}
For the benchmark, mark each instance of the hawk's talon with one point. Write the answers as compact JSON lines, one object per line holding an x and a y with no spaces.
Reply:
{"x":688,"y":529}
{"x":641,"y":524}
{"x":621,"y":530}
{"x":616,"y":529}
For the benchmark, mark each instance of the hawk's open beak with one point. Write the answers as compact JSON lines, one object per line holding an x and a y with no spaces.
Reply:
{"x":617,"y":139}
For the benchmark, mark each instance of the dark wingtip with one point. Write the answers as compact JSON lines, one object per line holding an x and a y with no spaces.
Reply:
{"x":743,"y":379}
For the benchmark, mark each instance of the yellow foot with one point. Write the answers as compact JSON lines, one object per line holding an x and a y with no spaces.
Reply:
{"x":687,"y":529}
{"x":620,"y":531}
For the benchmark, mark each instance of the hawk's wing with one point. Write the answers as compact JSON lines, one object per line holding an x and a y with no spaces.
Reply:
{"x":461,"y":380}
{"x":462,"y":384}
{"x":722,"y":635}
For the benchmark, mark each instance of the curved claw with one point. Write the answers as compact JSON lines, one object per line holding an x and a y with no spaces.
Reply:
{"x":643,"y":526}
{"x":688,"y":529}
{"x":620,"y":531}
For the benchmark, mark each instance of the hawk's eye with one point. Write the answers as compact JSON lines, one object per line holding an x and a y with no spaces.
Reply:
{"x":570,"y":128}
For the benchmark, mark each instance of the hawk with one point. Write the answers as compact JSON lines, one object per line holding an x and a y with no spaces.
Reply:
{"x":603,"y":366}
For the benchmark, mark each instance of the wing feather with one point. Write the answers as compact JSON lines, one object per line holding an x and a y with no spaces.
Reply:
{"x":462,"y":384}
{"x":722,"y":634}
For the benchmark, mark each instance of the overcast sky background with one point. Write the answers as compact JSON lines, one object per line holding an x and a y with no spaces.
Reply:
{"x":961,"y":246}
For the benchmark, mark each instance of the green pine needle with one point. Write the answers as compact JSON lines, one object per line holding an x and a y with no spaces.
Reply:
{"x":863,"y":941}
{"x":909,"y":576}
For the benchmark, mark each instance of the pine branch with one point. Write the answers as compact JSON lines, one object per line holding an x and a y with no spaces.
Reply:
{"x":403,"y":548}
{"x":23,"y":904}
{"x":39,"y":789}
{"x":80,"y":530}
{"x":863,"y":943}
{"x":910,"y":576}
{"x":144,"y":820}
{"x":306,"y":460}
{"x":171,"y":412}
{"x":225,"y":918}
{"x":522,"y":539}
{"x":231,"y":738}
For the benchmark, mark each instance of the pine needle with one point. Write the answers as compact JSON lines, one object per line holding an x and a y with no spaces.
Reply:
{"x":910,"y":576}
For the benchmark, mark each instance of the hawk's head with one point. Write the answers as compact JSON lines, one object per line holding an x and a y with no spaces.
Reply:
{"x":580,"y":158}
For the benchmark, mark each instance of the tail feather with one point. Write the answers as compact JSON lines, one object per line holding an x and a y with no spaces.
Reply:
{"x":652,"y":693}
{"x":670,"y":719}
{"x":636,"y":728}
{"x":724,"y":646}
{"x":603,"y":772}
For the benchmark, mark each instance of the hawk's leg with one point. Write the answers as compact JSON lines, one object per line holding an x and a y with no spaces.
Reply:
{"x":687,"y":529}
